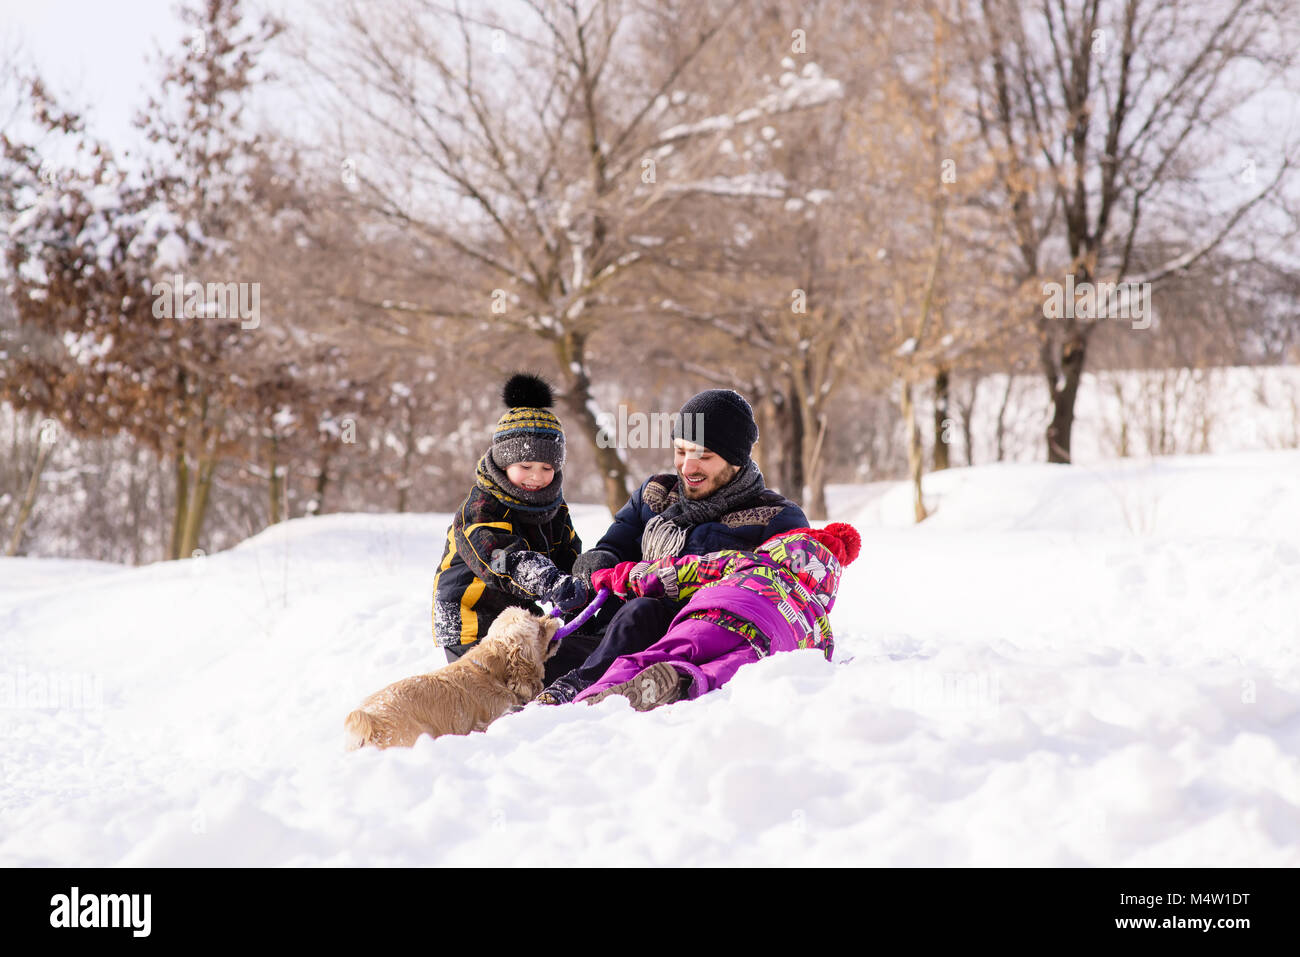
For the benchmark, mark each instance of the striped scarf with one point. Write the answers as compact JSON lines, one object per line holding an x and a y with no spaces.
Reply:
{"x":665,"y":534}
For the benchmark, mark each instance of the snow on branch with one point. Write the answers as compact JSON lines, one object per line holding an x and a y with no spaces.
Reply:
{"x":769,"y":185}
{"x":797,"y":92}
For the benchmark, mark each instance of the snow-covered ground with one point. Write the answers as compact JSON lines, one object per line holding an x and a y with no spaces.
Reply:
{"x":1065,"y":665}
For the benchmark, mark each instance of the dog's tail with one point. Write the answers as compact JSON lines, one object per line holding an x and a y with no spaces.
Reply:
{"x":361,"y":727}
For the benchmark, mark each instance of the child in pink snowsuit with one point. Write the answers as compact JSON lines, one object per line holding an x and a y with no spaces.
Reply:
{"x":743,"y":606}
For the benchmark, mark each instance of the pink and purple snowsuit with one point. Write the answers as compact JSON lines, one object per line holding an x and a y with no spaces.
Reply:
{"x":744,"y":606}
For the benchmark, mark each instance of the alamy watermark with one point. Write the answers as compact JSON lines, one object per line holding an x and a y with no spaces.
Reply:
{"x":77,"y":909}
{"x":176,"y":299}
{"x":648,"y":430}
{"x":1100,"y":300}
{"x":947,"y":691}
{"x":54,"y":690}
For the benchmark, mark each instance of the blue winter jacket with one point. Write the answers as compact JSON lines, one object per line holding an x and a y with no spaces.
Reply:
{"x":743,"y":529}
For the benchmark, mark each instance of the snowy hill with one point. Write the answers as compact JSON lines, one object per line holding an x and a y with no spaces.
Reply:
{"x":1086,"y":665}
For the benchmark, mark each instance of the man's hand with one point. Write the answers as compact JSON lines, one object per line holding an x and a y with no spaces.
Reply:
{"x":592,"y":561}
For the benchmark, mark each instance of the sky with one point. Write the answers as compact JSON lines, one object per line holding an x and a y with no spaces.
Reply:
{"x":96,"y":53}
{"x":102,"y":58}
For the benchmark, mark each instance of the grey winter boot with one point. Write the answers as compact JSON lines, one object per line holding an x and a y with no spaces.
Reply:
{"x":657,"y":685}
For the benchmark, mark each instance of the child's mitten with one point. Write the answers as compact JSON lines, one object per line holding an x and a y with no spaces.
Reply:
{"x":569,"y":594}
{"x":615,"y":579}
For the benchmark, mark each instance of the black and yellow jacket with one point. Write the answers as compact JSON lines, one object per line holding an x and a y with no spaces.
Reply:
{"x":497,"y":555}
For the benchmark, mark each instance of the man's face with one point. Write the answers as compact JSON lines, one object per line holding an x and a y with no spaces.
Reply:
{"x":702,"y":472}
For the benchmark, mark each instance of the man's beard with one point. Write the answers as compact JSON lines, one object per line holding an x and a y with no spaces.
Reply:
{"x":707,"y":489}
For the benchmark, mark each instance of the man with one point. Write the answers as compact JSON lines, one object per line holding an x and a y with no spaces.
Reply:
{"x":714,"y":499}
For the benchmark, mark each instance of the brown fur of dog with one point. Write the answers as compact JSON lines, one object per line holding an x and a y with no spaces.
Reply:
{"x":462,"y":697}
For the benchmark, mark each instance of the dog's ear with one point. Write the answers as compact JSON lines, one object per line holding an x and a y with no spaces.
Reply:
{"x":546,"y":629}
{"x":523,"y":677}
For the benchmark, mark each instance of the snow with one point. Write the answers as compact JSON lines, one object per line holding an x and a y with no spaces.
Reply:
{"x":795,"y":92}
{"x":767,"y":185}
{"x":29,"y":216}
{"x":84,"y":347}
{"x":1064,"y":666}
{"x":712,"y":124}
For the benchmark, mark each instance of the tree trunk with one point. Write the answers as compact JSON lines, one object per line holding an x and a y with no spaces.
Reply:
{"x":612,"y":461}
{"x":1205,"y":418}
{"x":941,"y":420}
{"x":1123,"y":450}
{"x":404,"y":486}
{"x":966,"y":409}
{"x":812,"y":427}
{"x":789,"y":478}
{"x":198,"y":506}
{"x":1000,"y":430}
{"x":135,"y":505}
{"x":43,"y":445}
{"x":915,"y":455}
{"x":815,"y":487}
{"x":274,"y":482}
{"x":317,"y":504}
{"x":1063,"y":382}
{"x":182,"y":501}
{"x":763,"y":447}
{"x":181,"y":504}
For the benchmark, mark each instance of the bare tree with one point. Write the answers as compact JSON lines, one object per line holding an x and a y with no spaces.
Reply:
{"x":540,"y":166}
{"x":930,"y":289}
{"x":1101,"y":114}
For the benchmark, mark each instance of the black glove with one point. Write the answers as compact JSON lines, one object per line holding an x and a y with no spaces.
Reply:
{"x":568,"y":594}
{"x":586,"y":564}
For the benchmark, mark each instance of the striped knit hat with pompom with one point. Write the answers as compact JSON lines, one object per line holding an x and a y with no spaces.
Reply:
{"x":841,"y":538}
{"x":529,"y":430}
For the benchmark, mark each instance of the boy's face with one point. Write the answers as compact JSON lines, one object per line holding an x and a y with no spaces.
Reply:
{"x":530,"y":475}
{"x":702,"y":472}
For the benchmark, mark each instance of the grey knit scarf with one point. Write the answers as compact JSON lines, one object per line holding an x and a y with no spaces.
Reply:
{"x":665,"y":534}
{"x":532,"y":507}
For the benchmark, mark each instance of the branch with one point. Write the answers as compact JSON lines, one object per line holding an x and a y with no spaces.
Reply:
{"x":1190,"y":258}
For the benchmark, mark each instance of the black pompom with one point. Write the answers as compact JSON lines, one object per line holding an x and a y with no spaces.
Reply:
{"x":524,"y":389}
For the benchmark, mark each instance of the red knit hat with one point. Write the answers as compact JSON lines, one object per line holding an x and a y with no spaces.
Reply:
{"x":840,"y":537}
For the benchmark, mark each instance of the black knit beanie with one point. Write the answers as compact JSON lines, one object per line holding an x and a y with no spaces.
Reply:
{"x":529,"y":430}
{"x":721,"y":421}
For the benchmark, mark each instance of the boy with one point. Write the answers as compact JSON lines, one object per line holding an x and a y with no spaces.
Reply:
{"x":511,"y":541}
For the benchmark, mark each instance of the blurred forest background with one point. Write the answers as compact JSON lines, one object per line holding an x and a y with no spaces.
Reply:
{"x":846,"y":210}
